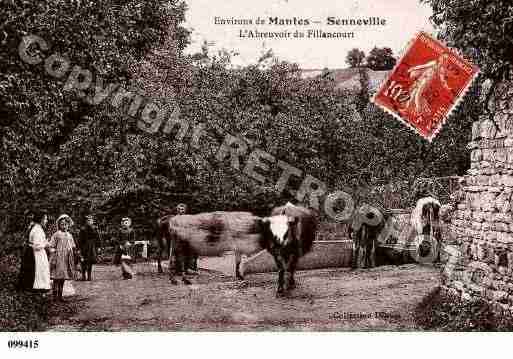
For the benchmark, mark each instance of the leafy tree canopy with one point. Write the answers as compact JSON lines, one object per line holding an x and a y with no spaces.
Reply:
{"x":355,"y":57}
{"x":481,"y":29}
{"x":380,"y":59}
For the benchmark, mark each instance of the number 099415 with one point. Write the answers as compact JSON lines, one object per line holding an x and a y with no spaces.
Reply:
{"x":23,"y":344}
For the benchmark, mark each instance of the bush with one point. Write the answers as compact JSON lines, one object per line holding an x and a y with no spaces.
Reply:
{"x":439,"y":311}
{"x":20,"y":311}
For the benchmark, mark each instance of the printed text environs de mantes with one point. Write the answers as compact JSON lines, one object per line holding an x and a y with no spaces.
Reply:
{"x":330,"y":20}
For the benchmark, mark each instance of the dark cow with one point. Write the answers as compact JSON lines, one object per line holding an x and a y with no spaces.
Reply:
{"x":287,"y":234}
{"x":163,"y":240}
{"x":291,"y":241}
{"x":366,"y":227}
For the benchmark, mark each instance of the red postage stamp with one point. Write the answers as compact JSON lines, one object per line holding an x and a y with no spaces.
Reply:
{"x":425,"y":85}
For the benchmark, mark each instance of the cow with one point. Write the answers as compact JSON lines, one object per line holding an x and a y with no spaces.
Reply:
{"x":164,"y":241}
{"x":210,"y":234}
{"x":364,"y":230}
{"x":290,"y":242}
{"x":287,"y":234}
{"x":215,"y":224}
{"x":425,"y":219}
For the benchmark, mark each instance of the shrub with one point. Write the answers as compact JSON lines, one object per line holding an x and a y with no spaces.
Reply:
{"x":21,"y":311}
{"x":439,"y":311}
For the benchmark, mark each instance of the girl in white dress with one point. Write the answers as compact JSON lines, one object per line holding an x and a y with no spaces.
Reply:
{"x":39,"y":244}
{"x":62,"y":262}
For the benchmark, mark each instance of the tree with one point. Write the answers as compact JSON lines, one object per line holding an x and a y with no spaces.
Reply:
{"x":481,"y":29}
{"x":58,"y":150}
{"x":363,"y":96}
{"x":380,"y":59}
{"x":355,"y":57}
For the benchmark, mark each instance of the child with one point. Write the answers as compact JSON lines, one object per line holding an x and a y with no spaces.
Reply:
{"x":125,"y":240}
{"x":87,"y":240}
{"x":62,"y":261}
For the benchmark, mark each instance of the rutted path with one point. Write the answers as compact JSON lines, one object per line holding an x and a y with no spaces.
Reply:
{"x":329,"y":299}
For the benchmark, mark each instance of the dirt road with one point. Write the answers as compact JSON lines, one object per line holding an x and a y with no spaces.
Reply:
{"x":331,"y":299}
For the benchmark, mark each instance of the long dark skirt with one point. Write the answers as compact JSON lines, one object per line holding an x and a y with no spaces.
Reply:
{"x":27,"y":270}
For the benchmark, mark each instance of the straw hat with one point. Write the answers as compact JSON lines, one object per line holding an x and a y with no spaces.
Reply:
{"x":65,"y":217}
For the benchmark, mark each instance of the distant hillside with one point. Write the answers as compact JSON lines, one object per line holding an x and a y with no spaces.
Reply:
{"x":348,"y":79}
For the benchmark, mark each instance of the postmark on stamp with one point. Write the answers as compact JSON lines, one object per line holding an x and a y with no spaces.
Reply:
{"x":426,"y":85}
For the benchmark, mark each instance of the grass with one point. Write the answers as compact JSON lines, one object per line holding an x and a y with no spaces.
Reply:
{"x":25,"y":311}
{"x":21,"y":311}
{"x":441,"y":312}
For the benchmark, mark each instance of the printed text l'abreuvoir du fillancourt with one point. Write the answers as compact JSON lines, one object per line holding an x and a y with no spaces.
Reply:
{"x":310,"y":27}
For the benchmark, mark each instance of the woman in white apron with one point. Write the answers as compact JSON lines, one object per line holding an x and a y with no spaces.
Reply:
{"x":39,"y":244}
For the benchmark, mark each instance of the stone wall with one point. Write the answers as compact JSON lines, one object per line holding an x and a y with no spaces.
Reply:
{"x":482,"y":220}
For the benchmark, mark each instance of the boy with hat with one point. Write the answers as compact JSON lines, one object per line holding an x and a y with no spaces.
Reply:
{"x":88,"y":239}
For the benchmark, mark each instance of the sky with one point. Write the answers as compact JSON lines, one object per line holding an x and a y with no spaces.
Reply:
{"x":404,"y":18}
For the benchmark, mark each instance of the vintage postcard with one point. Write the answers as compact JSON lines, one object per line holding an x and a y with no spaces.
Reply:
{"x":238,"y":166}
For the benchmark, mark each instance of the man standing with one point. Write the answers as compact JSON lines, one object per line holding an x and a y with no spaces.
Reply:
{"x":88,"y":239}
{"x":191,"y":264}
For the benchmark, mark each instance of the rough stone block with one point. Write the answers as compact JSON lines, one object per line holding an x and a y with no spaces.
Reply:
{"x":510,"y":260}
{"x":493,"y":189}
{"x":503,"y":121}
{"x":501,"y":227}
{"x":501,"y":155}
{"x":489,"y":217}
{"x":476,"y":155}
{"x":503,"y":203}
{"x":506,"y":238}
{"x":482,"y":252}
{"x":487,"y":201}
{"x":505,"y":218}
{"x":491,"y":236}
{"x":488,"y":129}
{"x":476,"y":130}
{"x":482,"y":180}
{"x":488,"y":155}
{"x":494,"y":180}
{"x":509,"y":151}
{"x":507,"y":180}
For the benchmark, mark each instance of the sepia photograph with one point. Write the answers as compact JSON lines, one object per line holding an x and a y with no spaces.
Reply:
{"x":273,"y":166}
